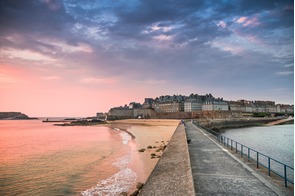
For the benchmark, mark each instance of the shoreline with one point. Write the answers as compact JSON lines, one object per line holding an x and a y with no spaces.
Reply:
{"x":152,"y":135}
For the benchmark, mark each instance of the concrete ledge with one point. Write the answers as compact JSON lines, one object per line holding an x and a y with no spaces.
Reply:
{"x":172,"y":175}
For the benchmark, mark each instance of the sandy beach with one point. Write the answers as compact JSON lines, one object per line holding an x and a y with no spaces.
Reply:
{"x":150,"y":135}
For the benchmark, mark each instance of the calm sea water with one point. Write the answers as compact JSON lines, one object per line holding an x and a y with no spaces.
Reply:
{"x":41,"y":159}
{"x":274,"y":141}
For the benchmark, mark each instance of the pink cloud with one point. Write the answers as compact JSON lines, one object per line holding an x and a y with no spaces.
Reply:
{"x":163,"y":37}
{"x":242,"y":19}
{"x":246,"y":21}
{"x":251,"y":22}
{"x":93,"y":80}
{"x":26,"y":55}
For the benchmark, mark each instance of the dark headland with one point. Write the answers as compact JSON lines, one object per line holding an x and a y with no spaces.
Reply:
{"x":14,"y":116}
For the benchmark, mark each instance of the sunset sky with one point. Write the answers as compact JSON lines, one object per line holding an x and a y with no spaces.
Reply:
{"x":75,"y":58}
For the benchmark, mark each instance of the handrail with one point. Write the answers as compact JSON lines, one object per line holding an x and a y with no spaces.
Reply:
{"x":256,"y":156}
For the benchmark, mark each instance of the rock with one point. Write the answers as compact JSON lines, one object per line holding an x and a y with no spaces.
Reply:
{"x":124,"y":194}
{"x":139,"y":185}
{"x":135,"y":193}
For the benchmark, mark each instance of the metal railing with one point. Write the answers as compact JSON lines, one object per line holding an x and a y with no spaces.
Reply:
{"x":272,"y":165}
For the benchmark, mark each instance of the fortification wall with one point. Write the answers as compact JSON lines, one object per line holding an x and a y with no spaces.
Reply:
{"x":233,"y":123}
{"x":198,"y":115}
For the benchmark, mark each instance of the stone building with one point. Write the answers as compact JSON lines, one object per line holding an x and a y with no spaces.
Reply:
{"x":134,"y":105}
{"x":171,"y":106}
{"x":120,"y":112}
{"x":283,"y":108}
{"x":215,"y":106}
{"x":143,"y":113}
{"x":147,"y":103}
{"x":235,"y":106}
{"x":191,"y":105}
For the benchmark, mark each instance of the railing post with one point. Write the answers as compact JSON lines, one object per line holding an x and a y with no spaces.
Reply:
{"x":231,"y":144}
{"x":248,"y":154}
{"x":227,"y":142}
{"x":257,"y":160}
{"x":268,"y":166}
{"x":285,"y":175}
{"x":242,"y":150}
{"x":236,"y":147}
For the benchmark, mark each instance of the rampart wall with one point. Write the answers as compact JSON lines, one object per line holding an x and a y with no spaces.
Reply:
{"x":198,"y":115}
{"x":233,"y":123}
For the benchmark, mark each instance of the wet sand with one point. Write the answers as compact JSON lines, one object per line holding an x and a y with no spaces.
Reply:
{"x":146,"y":133}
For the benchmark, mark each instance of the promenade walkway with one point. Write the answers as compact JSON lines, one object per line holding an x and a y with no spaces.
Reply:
{"x":215,"y":172}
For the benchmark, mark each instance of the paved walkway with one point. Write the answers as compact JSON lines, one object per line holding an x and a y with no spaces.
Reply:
{"x":215,"y":172}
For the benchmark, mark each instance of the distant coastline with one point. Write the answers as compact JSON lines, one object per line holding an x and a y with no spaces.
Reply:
{"x":14,"y":116}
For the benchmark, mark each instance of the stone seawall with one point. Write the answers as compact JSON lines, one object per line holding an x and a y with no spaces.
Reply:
{"x":233,"y":123}
{"x":197,"y":115}
{"x":172,"y":175}
{"x":116,"y":114}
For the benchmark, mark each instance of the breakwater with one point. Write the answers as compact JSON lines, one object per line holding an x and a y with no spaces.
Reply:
{"x":233,"y":123}
{"x":172,"y":175}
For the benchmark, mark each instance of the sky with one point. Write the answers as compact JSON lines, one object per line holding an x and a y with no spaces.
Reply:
{"x":75,"y":58}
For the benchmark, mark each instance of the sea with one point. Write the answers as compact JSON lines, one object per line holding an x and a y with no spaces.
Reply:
{"x":276,"y":142}
{"x":42,"y":159}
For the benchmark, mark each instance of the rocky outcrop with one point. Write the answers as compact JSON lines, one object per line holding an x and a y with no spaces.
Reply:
{"x":13,"y":116}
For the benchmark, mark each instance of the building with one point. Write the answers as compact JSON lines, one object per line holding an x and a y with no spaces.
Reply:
{"x":147,"y":103}
{"x":215,"y":106}
{"x":241,"y":106}
{"x":100,"y":115}
{"x":235,"y":106}
{"x":191,"y":105}
{"x":121,"y":112}
{"x":171,"y":106}
{"x":134,"y":105}
{"x":143,"y":113}
{"x":287,"y":109}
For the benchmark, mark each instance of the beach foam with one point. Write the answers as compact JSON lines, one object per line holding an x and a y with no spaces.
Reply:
{"x":121,"y":181}
{"x":114,"y":185}
{"x":125,"y":137}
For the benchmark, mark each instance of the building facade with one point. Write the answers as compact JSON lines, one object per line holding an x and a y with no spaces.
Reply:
{"x":172,"y":106}
{"x":191,"y":105}
{"x":215,"y":106}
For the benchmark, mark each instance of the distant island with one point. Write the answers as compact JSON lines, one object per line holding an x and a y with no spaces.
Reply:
{"x":14,"y":116}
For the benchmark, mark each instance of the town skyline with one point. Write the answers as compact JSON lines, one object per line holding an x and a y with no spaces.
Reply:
{"x":71,"y":58}
{"x":196,"y":106}
{"x":197,"y":98}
